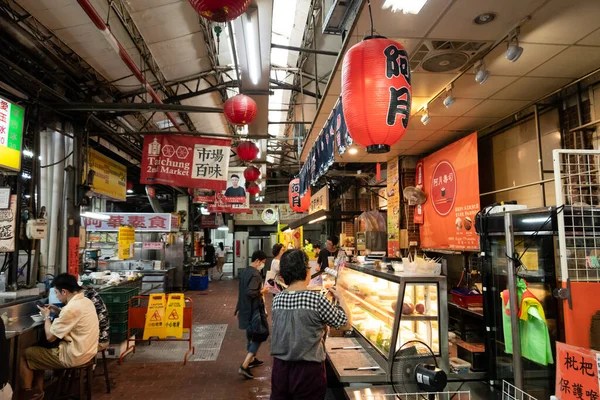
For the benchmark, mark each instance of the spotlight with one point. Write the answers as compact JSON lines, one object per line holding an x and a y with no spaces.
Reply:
{"x":482,"y":73}
{"x":352,"y":150}
{"x":425,"y":118}
{"x":449,"y":100}
{"x":513,"y":50}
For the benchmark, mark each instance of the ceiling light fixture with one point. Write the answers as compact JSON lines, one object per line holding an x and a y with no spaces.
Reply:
{"x":425,"y":117}
{"x":513,"y":50}
{"x":481,"y":73}
{"x":485,"y":18}
{"x":406,"y":6}
{"x":129,"y":191}
{"x":352,"y":150}
{"x":223,"y":228}
{"x":252,"y":45}
{"x":95,"y":215}
{"x":28,"y":153}
{"x":449,"y":100}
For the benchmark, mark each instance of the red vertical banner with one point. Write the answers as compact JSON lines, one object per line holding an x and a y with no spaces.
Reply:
{"x":393,"y":210}
{"x":418,"y":215}
{"x":451,"y":183}
{"x":73,"y":256}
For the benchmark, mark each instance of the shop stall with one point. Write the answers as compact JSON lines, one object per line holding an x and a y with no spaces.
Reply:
{"x":155,"y":251}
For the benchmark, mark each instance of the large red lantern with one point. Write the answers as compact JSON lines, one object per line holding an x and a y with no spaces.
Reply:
{"x":251,"y":174}
{"x":240,"y":109}
{"x":247,"y":150}
{"x":297,"y":203}
{"x":253,"y":189}
{"x":220,"y":10}
{"x":376,"y":93}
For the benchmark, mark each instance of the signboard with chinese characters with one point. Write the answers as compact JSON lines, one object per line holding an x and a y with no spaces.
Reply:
{"x":11,"y":135}
{"x":254,"y":217}
{"x":576,"y":373}
{"x":319,"y":201}
{"x":393,"y":207}
{"x":8,"y":220}
{"x":140,"y":222}
{"x":110,"y":177}
{"x":188,"y":161}
{"x":126,"y":240}
{"x":152,"y":245}
{"x":451,"y":183}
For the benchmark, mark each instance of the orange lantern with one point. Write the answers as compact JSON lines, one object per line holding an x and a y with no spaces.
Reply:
{"x":297,"y":203}
{"x":253,"y":189}
{"x":251,"y":174}
{"x":240,"y":109}
{"x":376,"y":93}
{"x":220,"y":10}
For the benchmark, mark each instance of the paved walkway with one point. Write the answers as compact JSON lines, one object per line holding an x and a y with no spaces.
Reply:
{"x":213,"y":380}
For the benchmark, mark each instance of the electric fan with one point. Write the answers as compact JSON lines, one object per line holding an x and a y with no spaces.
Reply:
{"x":414,"y":195}
{"x":414,"y":370}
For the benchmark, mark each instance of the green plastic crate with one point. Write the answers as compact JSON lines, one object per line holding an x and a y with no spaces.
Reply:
{"x":120,"y":337}
{"x":117,"y":308}
{"x":118,"y":327}
{"x":119,"y":294}
{"x":117,"y":318}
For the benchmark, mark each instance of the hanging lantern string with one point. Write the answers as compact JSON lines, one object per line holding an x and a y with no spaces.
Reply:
{"x":370,"y":15}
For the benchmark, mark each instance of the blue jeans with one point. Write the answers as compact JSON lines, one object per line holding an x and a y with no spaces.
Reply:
{"x":251,"y":347}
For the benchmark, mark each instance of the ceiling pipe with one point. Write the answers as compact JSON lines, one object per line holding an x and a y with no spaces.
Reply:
{"x":117,"y":47}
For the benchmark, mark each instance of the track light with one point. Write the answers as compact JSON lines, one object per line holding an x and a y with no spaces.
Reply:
{"x":449,"y":100}
{"x":352,"y":150}
{"x":481,"y":74}
{"x":513,"y":50}
{"x":425,"y":117}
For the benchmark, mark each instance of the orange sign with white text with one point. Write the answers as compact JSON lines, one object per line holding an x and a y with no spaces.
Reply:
{"x":576,"y":373}
{"x":451,"y":182}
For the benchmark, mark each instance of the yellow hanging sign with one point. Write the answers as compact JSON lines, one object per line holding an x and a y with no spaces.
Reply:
{"x":174,"y":315}
{"x":155,"y":317}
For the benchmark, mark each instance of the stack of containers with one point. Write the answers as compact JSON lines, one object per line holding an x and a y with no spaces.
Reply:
{"x":117,"y":304}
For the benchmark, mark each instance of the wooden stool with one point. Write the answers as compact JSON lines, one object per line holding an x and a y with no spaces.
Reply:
{"x":105,"y":370}
{"x":86,"y":374}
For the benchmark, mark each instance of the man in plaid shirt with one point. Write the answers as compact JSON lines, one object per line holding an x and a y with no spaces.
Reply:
{"x":300,"y":320}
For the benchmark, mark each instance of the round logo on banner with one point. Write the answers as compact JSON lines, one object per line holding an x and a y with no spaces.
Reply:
{"x":443,"y":188}
{"x":269,"y":216}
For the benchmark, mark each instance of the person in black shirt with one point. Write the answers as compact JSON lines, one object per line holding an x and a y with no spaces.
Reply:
{"x":209,"y":256}
{"x":330,"y":250}
{"x":235,"y":190}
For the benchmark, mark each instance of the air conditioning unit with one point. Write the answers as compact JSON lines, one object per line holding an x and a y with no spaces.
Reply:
{"x":445,"y":55}
{"x":336,"y":14}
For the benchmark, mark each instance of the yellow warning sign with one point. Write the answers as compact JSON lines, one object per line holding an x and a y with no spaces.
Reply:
{"x":174,"y":325}
{"x":155,"y":317}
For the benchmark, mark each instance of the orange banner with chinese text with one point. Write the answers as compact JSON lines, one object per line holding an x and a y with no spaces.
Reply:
{"x":451,"y":183}
{"x":576,"y":373}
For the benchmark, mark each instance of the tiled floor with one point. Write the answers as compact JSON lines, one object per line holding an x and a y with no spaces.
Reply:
{"x":198,"y":380}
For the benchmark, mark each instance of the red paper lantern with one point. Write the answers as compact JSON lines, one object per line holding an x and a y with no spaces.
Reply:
{"x":247,"y":150}
{"x":376,"y":93}
{"x":240,"y":109}
{"x":297,"y":203}
{"x":129,"y":186}
{"x":253,"y":189}
{"x":220,"y":10}
{"x":251,"y":173}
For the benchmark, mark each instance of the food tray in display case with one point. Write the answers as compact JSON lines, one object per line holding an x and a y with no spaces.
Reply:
{"x":391,"y":308}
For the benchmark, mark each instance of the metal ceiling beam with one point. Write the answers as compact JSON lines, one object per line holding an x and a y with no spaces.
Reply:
{"x":305,"y":50}
{"x":135,"y":107}
{"x":294,"y":88}
{"x":197,"y":93}
{"x":127,"y":22}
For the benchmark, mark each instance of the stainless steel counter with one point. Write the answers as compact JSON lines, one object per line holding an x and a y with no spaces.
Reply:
{"x":342,"y":359}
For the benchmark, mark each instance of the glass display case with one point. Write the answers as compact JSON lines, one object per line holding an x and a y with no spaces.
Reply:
{"x":391,"y":308}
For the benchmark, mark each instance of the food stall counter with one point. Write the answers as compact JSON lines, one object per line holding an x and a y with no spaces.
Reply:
{"x":354,"y":361}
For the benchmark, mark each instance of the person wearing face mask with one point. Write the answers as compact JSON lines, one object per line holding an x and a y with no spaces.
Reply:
{"x":250,"y":300}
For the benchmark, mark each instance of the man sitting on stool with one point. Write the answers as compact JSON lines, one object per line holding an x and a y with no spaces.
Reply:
{"x":77,"y":327}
